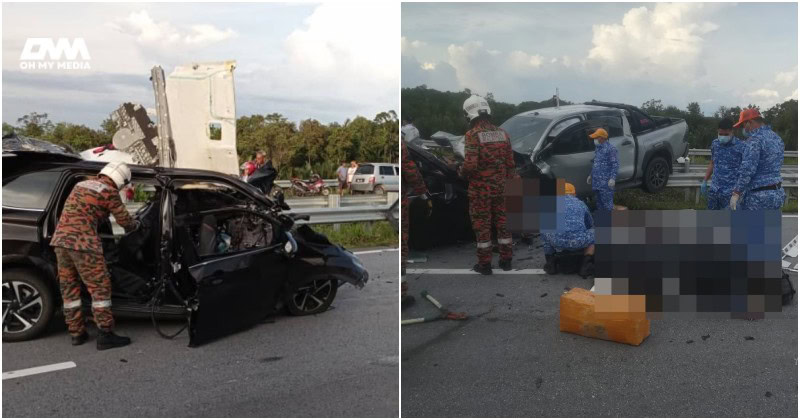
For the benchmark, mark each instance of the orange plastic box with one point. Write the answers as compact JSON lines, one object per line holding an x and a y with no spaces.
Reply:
{"x":623,"y":320}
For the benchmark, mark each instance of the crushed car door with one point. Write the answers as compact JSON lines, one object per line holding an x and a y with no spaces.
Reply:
{"x":570,"y":156}
{"x":235,"y":291}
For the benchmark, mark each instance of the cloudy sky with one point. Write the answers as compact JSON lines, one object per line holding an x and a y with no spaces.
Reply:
{"x":710,"y":53}
{"x":329,"y":62}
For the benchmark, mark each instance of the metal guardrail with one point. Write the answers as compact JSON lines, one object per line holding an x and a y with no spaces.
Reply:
{"x":388,"y":212}
{"x":707,"y":152}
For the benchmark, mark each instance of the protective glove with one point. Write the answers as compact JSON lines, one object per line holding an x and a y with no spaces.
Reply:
{"x":611,"y":183}
{"x":734,"y":201}
{"x":703,"y":187}
{"x":589,"y":180}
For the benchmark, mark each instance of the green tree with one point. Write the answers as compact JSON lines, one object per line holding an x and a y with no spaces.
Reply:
{"x":34,"y":125}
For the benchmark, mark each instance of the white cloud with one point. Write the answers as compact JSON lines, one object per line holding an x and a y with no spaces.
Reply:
{"x":145,"y":29}
{"x":202,"y":34}
{"x":418,"y":44}
{"x":150,"y":32}
{"x":665,"y":42}
{"x":428,"y":66}
{"x":521,"y":60}
{"x":787,"y":77}
{"x":792,"y":96}
{"x":763,"y":94}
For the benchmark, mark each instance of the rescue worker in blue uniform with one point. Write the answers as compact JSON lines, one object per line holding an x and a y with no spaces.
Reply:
{"x":759,"y":184}
{"x":604,"y":170}
{"x":574,"y":231}
{"x":723,"y":170}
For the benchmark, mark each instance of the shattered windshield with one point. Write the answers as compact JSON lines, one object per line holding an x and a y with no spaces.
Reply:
{"x":525,"y":131}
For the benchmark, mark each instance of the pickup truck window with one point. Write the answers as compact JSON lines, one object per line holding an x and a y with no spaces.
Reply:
{"x":559,"y":127}
{"x":612,"y":123}
{"x":525,"y":131}
{"x":643,"y":121}
{"x":575,"y":140}
{"x":30,"y":191}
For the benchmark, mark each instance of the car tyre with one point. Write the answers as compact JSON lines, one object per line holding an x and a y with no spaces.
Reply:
{"x":379,"y":190}
{"x":311,"y":297}
{"x":656,"y":175}
{"x":28,"y":304}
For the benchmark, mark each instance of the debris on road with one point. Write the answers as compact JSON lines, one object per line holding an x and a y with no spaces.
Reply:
{"x":577,"y":315}
{"x":444,"y":312}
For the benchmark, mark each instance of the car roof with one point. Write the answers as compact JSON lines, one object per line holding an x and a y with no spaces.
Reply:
{"x":378,"y":163}
{"x":564,"y":110}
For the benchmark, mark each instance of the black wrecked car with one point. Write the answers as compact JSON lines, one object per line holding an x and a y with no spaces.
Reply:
{"x":211,"y":249}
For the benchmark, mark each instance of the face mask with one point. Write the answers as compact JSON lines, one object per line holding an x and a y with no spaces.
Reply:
{"x":746,"y":132}
{"x":596,"y":143}
{"x":724,"y":139}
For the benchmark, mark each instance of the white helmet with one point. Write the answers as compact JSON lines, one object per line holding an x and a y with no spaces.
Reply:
{"x":119,"y":172}
{"x":476,"y":106}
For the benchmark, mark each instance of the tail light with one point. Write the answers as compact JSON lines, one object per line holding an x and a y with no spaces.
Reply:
{"x":372,"y":179}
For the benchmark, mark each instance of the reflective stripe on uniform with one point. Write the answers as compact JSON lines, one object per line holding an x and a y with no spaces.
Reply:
{"x":484,"y":244}
{"x":101,"y":304}
{"x":72,"y":304}
{"x":505,"y":241}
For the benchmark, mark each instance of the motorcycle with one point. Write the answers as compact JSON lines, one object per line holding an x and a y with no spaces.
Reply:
{"x":314,"y":186}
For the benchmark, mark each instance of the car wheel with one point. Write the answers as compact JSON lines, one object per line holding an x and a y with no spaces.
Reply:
{"x":656,"y":175}
{"x":28,"y":305}
{"x":311,"y":298}
{"x":379,"y":190}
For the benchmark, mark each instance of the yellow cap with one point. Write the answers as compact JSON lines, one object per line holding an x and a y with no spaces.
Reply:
{"x":569,"y":188}
{"x":599,"y":133}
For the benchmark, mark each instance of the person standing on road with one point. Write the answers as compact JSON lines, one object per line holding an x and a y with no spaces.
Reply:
{"x":488,"y":162}
{"x":412,"y":184}
{"x":261,"y":159}
{"x":79,"y":252}
{"x":341,"y":176}
{"x":575,"y":232}
{"x":351,"y":172}
{"x":759,"y":183}
{"x":726,"y":156}
{"x":604,"y":170}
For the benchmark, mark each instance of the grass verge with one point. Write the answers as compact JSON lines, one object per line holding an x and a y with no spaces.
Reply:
{"x":675,"y":199}
{"x":360,"y":235}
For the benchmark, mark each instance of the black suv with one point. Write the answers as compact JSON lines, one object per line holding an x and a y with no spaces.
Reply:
{"x":210,"y":249}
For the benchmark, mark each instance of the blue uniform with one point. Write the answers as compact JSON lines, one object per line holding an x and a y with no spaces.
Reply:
{"x":726,"y":159}
{"x":761,"y":167}
{"x":574,"y":227}
{"x":604,"y":167}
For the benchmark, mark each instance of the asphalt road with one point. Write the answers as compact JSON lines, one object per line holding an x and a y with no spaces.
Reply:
{"x":510,"y":360}
{"x":341,"y":363}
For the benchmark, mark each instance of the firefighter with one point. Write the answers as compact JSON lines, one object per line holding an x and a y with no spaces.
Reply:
{"x":488,"y":162}
{"x":575,"y":231}
{"x":759,"y":184}
{"x":79,"y":252}
{"x":604,"y":170}
{"x":413,"y":184}
{"x":726,"y":156}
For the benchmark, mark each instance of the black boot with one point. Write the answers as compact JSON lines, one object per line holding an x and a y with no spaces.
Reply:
{"x":108,"y":340}
{"x":505,"y":264}
{"x":587,"y":266}
{"x":484,"y":269}
{"x":550,"y":264}
{"x":77,"y":340}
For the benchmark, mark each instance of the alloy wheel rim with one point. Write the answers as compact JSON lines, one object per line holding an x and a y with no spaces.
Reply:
{"x":312,"y":297}
{"x":22,"y":306}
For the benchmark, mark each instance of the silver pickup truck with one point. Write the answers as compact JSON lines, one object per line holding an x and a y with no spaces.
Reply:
{"x":554,"y":142}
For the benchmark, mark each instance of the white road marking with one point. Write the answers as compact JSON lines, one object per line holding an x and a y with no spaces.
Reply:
{"x":37,"y":370}
{"x":790,"y":215}
{"x":376,"y":251}
{"x":528,"y":271}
